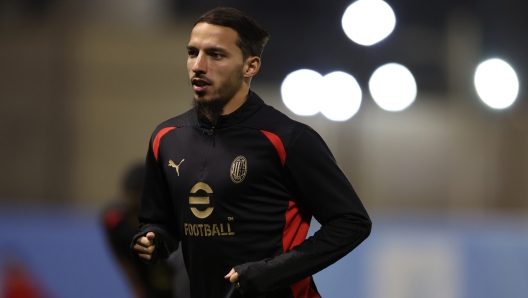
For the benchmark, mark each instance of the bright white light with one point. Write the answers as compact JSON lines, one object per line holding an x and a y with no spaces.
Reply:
{"x":367,"y":22}
{"x":301,"y":92}
{"x":342,"y":96}
{"x":496,"y":83}
{"x":393,"y":87}
{"x":337,"y":95}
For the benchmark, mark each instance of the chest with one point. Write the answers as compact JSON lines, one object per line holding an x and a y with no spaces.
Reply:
{"x":234,"y":170}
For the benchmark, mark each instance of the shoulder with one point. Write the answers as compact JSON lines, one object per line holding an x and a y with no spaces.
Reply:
{"x":270,"y":120}
{"x":186,"y":119}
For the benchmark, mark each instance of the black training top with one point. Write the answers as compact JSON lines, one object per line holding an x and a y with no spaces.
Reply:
{"x":242,"y":195}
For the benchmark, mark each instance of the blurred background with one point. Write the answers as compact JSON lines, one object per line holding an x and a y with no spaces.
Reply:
{"x":443,"y":170}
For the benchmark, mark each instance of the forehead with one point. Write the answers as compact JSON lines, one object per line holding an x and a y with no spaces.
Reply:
{"x":206,"y":35}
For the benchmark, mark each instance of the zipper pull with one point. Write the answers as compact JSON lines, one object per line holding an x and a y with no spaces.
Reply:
{"x":208,"y":132}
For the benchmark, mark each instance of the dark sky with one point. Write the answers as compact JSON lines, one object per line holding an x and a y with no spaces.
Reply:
{"x":308,"y":34}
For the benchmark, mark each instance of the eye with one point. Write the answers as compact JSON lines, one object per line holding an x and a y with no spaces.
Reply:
{"x":192,"y":53}
{"x":217,"y":55}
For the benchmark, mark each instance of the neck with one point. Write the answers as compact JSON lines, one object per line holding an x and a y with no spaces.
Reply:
{"x":237,"y":100}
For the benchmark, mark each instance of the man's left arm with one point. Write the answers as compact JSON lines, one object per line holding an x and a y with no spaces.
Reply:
{"x":325,"y":191}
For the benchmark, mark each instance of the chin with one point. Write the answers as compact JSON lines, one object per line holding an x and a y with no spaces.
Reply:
{"x":200,"y":97}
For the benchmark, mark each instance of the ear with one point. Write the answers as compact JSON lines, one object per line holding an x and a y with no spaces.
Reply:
{"x":251,"y":66}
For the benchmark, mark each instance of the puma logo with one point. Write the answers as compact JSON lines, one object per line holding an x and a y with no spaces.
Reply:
{"x":176,"y":166}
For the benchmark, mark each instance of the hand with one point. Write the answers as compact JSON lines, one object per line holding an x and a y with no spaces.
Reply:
{"x":145,"y":246}
{"x":232,"y":276}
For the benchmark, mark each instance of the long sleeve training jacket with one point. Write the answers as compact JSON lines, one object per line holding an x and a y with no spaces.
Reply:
{"x":242,"y":195}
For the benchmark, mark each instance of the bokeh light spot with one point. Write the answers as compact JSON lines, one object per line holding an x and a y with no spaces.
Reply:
{"x":301,"y":92}
{"x":393,"y":87}
{"x":496,"y":83}
{"x":342,"y":96}
{"x":367,"y":22}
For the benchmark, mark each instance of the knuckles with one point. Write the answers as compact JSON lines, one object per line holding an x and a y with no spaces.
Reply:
{"x":142,"y":249}
{"x":144,"y":241}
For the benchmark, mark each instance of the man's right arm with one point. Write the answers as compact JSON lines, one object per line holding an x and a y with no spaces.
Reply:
{"x":156,"y":212}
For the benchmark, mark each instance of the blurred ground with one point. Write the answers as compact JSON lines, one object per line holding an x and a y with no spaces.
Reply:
{"x":407,"y":255}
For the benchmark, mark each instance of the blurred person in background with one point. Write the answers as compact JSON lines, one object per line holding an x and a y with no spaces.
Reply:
{"x":17,"y":280}
{"x":121,"y":224}
{"x":237,"y":182}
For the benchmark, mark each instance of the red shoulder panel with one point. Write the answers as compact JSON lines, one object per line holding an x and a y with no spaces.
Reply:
{"x":157,"y":139}
{"x":276,"y":141}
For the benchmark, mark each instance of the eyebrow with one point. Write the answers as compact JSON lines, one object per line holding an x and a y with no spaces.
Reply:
{"x":210,"y":49}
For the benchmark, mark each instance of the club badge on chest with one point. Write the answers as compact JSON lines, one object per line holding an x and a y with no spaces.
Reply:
{"x":239,"y":168}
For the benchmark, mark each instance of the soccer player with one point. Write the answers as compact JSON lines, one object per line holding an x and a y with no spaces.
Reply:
{"x":236,"y":182}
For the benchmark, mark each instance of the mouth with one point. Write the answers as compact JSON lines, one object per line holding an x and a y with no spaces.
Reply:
{"x":200,"y":85}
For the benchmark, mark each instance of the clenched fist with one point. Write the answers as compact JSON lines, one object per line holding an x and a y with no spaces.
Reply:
{"x":145,"y":246}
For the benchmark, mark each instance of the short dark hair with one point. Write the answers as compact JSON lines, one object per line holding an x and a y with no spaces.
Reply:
{"x":251,"y":37}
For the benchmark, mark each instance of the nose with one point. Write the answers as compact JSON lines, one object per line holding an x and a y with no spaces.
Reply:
{"x":199,"y":64}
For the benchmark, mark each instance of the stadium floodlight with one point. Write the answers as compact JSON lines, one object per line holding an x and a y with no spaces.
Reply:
{"x":301,"y":92}
{"x":496,"y":83}
{"x":367,"y":22}
{"x":393,"y":87}
{"x":342,"y":96}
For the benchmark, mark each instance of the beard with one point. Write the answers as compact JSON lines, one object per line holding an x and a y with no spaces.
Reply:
{"x":210,"y":110}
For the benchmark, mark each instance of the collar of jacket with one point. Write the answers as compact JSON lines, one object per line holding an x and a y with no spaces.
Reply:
{"x":252,"y":104}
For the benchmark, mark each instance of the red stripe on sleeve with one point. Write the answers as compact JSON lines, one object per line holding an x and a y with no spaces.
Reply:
{"x":303,"y":289}
{"x":157,"y":139}
{"x":295,"y":231}
{"x":277,"y":143}
{"x":295,"y":228}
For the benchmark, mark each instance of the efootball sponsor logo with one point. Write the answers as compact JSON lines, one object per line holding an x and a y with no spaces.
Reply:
{"x":221,"y":229}
{"x":200,"y":200}
{"x":197,"y":203}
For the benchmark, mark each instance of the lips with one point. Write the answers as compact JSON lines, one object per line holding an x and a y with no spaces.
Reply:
{"x":200,"y":84}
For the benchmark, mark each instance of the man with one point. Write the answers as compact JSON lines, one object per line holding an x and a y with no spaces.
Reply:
{"x":236,"y":182}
